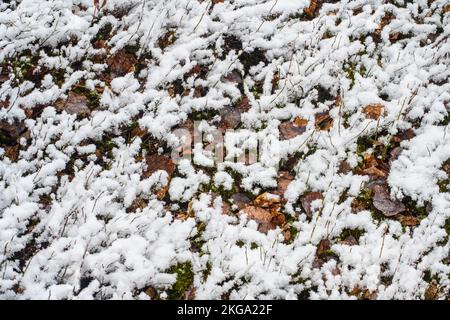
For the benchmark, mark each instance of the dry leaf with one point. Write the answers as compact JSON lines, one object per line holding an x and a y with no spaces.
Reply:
{"x":258,"y":214}
{"x":382,"y":201}
{"x":323,"y":121}
{"x":283,"y":181}
{"x":266,"y":200}
{"x":409,"y":221}
{"x":290,"y":130}
{"x":157,"y":162}
{"x":311,"y":9}
{"x":373,"y":111}
{"x":307,"y":199}
{"x":74,"y":104}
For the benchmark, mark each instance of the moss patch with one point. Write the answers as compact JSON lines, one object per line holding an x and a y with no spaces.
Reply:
{"x":185,"y":278}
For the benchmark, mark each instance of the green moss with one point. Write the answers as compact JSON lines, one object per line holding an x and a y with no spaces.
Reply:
{"x":206,"y":272}
{"x":185,"y":278}
{"x":197,"y":241}
{"x":447,"y":226}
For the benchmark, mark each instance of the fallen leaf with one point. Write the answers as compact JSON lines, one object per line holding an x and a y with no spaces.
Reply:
{"x":323,"y":247}
{"x":300,"y":122}
{"x":150,"y":292}
{"x":382,"y":201}
{"x":373,"y":111}
{"x":404,"y":135}
{"x":230,"y":118}
{"x":307,"y":199}
{"x":323,"y":121}
{"x":240,"y":200}
{"x":258,"y":214}
{"x":283,"y":181}
{"x":349,"y":241}
{"x":344,"y":167}
{"x":121,"y":63}
{"x":374,"y":171}
{"x":409,"y":221}
{"x":289,"y":130}
{"x":266,"y":200}
{"x":431,"y":292}
{"x":233,"y":77}
{"x":74,"y":104}
{"x":312,"y":8}
{"x":157,"y":162}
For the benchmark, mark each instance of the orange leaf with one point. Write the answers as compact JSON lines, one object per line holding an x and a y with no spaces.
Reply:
{"x":373,"y":111}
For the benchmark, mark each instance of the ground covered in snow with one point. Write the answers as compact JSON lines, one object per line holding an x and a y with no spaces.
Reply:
{"x":103,"y":195}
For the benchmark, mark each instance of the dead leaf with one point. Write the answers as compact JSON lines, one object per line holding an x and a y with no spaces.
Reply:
{"x":74,"y":104}
{"x":151,"y":292}
{"x":283,"y":181}
{"x":432,"y":291}
{"x":138,"y":203}
{"x":382,"y":201}
{"x":344,"y":167}
{"x":323,"y":247}
{"x":121,"y":63}
{"x":266,"y":200}
{"x":157,"y":162}
{"x":290,"y":130}
{"x":258,"y":214}
{"x":310,"y":11}
{"x":374,"y":171}
{"x":349,"y":241}
{"x":404,"y":135}
{"x":323,"y":121}
{"x":409,"y":221}
{"x":373,"y":111}
{"x":240,"y":200}
{"x":167,"y":39}
{"x":233,"y":77}
{"x":307,"y":199}
{"x":230,"y":118}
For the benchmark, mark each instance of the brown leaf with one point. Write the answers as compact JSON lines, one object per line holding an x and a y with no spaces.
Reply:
{"x":382,"y":201}
{"x":283,"y":181}
{"x":258,"y":214}
{"x":404,"y":135}
{"x":431,"y":292}
{"x":121,"y":63}
{"x":310,"y":11}
{"x":323,"y":121}
{"x":12,"y":130}
{"x":373,"y":111}
{"x":323,"y":247}
{"x":138,"y":203}
{"x":151,"y":292}
{"x":74,"y":104}
{"x":12,"y":152}
{"x":409,"y":221}
{"x":240,"y":200}
{"x":344,"y":167}
{"x":290,"y":130}
{"x":374,"y":171}
{"x":230,"y":118}
{"x":157,"y":162}
{"x":349,"y":241}
{"x":307,"y":199}
{"x":233,"y":77}
{"x":266,"y":200}
{"x":167,"y":39}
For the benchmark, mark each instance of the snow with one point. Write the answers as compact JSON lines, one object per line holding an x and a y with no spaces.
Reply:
{"x":66,"y":227}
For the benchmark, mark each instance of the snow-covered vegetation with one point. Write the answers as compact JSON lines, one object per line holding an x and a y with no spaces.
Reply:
{"x":345,"y":102}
